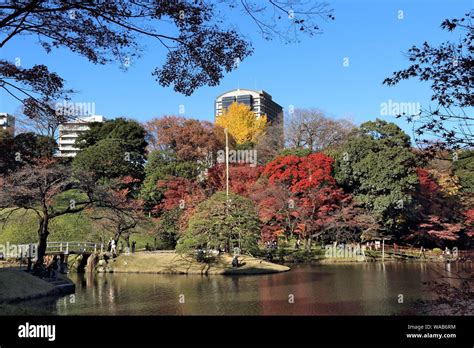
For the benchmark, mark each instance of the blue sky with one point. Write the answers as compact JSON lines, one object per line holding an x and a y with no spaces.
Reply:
{"x":307,"y":74}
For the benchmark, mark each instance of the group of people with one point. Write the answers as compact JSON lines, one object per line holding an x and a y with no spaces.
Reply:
{"x":372,"y":245}
{"x":271,"y":244}
{"x":50,"y":269}
{"x":203,"y":255}
{"x":112,"y":247}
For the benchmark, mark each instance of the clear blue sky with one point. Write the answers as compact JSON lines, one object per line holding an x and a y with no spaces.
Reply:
{"x":308,"y":74}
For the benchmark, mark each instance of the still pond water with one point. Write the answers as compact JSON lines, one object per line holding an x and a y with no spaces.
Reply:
{"x":350,"y":289}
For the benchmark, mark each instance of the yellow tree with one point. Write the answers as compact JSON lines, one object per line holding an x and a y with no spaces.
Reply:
{"x":449,"y":184}
{"x":242,"y":123}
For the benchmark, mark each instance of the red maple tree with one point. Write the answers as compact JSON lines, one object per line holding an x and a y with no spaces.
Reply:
{"x":242,"y":178}
{"x":315,"y":194}
{"x":301,"y":173}
{"x":438,"y":221}
{"x":427,"y":187}
{"x":276,"y":210}
{"x":179,"y":192}
{"x":469,"y":222}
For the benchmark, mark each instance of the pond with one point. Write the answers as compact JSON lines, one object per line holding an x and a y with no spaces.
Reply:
{"x":343,"y":289}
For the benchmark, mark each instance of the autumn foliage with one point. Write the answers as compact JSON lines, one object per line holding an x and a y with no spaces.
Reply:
{"x":469,"y":222}
{"x":242,"y":123}
{"x":242,"y":178}
{"x":428,"y":186}
{"x":438,"y":219}
{"x":276,"y":210}
{"x":189,"y":139}
{"x":301,"y":195}
{"x":179,"y":193}
{"x":301,"y":173}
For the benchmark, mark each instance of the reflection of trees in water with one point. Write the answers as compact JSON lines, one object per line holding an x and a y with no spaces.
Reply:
{"x":274,"y":292}
{"x":351,"y":289}
{"x":368,"y":288}
{"x":450,"y":291}
{"x":99,"y":293}
{"x":313,"y":290}
{"x":144,"y":294}
{"x":208,"y":294}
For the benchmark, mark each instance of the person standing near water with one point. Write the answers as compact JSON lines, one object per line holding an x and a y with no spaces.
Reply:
{"x":235,"y":261}
{"x":54,"y":268}
{"x":113,"y":248}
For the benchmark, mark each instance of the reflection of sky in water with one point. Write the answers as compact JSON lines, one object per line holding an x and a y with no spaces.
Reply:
{"x":350,"y":289}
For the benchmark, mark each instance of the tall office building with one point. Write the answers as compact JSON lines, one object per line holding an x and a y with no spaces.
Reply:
{"x":69,"y":131}
{"x":7,"y":122}
{"x":259,"y":102}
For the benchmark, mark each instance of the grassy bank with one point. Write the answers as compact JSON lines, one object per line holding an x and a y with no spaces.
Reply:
{"x":22,"y":227}
{"x":172,"y":263}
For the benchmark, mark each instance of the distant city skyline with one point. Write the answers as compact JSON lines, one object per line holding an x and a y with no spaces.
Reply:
{"x":339,"y":72}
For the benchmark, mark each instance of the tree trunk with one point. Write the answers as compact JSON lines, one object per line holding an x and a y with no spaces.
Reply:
{"x":43,"y":239}
{"x":308,"y":242}
{"x":118,"y":233}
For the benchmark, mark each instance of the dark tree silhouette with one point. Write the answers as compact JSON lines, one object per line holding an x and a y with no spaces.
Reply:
{"x":36,"y":88}
{"x":449,"y":68}
{"x":286,"y":19}
{"x":200,"y":45}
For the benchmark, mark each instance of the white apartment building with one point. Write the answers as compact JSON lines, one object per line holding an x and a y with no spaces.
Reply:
{"x":68,"y":133}
{"x":7,"y":122}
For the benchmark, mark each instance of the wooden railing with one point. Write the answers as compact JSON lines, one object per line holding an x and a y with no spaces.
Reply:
{"x":421,"y":253}
{"x":74,"y":247}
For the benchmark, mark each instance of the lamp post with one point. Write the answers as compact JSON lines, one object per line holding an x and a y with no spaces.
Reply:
{"x":383,"y":249}
{"x":227,"y":173}
{"x":226,"y":163}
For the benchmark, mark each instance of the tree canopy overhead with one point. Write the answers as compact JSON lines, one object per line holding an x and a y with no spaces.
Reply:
{"x":36,"y":89}
{"x":449,"y":68}
{"x":200,"y":46}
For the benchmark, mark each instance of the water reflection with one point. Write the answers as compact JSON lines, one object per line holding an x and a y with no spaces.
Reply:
{"x":351,"y":289}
